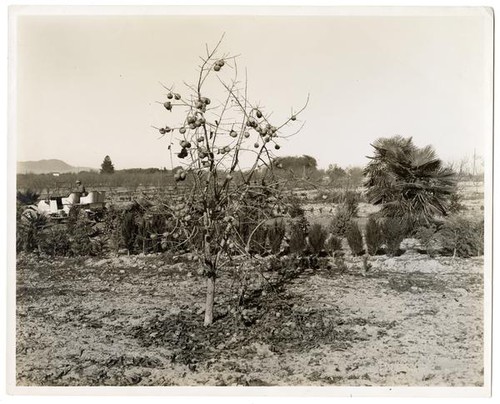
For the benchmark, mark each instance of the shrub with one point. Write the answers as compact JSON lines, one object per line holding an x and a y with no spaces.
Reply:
{"x":456,"y":203}
{"x":275,"y":234}
{"x":158,"y":227}
{"x":28,"y":197}
{"x":83,"y":236}
{"x":351,"y":202}
{"x":462,"y":237}
{"x":374,"y":236}
{"x":54,"y":241}
{"x":355,"y":238}
{"x":340,"y":221}
{"x":332,"y":244}
{"x":317,"y":237}
{"x":29,"y":227}
{"x":128,"y":230}
{"x":426,"y":235}
{"x":394,"y":232}
{"x":294,"y":207}
{"x":298,"y":231}
{"x":112,"y":228}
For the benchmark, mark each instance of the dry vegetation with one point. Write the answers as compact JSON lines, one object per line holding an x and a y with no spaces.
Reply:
{"x":137,"y":320}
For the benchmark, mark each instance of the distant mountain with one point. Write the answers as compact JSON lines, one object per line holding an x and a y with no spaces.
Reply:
{"x":48,"y":166}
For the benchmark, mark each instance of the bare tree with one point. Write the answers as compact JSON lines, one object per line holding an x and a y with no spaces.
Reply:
{"x":223,"y":144}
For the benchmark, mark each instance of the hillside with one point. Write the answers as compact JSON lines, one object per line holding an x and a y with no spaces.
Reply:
{"x":47,"y":166}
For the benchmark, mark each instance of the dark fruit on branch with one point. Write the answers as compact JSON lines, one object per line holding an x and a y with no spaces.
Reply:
{"x":293,"y":118}
{"x":162,"y":131}
{"x":259,"y":114}
{"x":177,"y":96}
{"x":216,"y":68}
{"x":190,"y":119}
{"x":170,"y":96}
{"x":277,"y":146}
{"x":182,"y":130}
{"x":233,"y":133}
{"x":256,"y":145}
{"x":168,"y":105}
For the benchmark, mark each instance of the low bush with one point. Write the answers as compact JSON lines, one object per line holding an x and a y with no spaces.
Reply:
{"x":128,"y":230}
{"x":27,"y":197}
{"x":355,"y":238}
{"x":294,"y":207}
{"x":332,"y":244}
{"x":317,"y":237}
{"x":298,"y":231}
{"x":340,"y":221}
{"x":394,"y":231}
{"x":462,"y":237}
{"x":351,"y":202}
{"x":84,"y":238}
{"x":456,"y":203}
{"x":54,"y":241}
{"x":29,"y":227}
{"x":374,"y":236}
{"x":275,"y":234}
{"x":426,"y":235}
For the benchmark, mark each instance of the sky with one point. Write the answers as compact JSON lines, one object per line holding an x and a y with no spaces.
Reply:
{"x":88,"y":86}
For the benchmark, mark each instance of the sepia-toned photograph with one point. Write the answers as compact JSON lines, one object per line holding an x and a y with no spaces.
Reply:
{"x":259,"y":197}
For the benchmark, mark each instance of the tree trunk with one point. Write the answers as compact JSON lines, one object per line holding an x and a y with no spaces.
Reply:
{"x":209,"y":305}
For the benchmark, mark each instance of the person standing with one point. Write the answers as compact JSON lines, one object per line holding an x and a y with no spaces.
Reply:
{"x":80,"y":188}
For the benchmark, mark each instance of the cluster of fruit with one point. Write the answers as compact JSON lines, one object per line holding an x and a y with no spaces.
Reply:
{"x":218,"y":65}
{"x":168,"y":104}
{"x":264,"y":129}
{"x":176,"y":96}
{"x":181,"y":211}
{"x":193,"y":121}
{"x":180,"y":175}
{"x":202,"y":103}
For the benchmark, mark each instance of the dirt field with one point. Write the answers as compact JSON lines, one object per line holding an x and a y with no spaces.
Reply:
{"x":410,"y":320}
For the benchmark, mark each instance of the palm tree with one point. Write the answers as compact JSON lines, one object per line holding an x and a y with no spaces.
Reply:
{"x":28,"y":197}
{"x":410,"y":183}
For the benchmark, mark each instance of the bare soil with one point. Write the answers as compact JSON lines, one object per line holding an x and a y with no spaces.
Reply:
{"x":410,"y":320}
